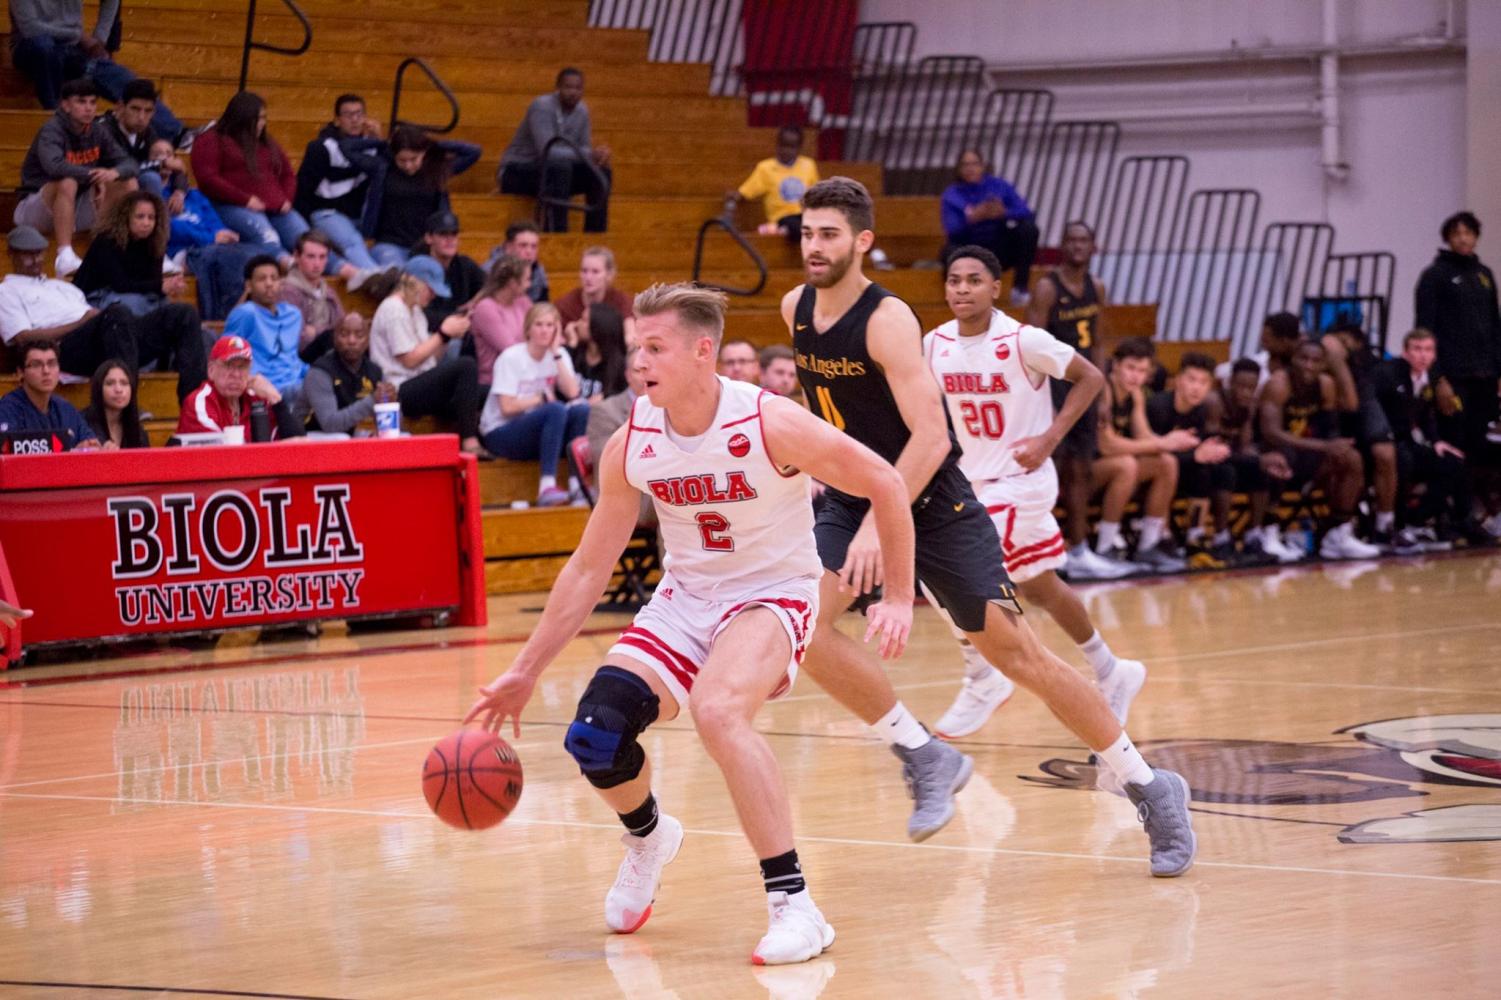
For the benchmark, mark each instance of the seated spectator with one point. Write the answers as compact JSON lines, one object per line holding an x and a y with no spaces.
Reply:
{"x":461,"y":275}
{"x":200,"y":241}
{"x":1131,"y":455}
{"x":72,"y":175}
{"x":51,"y":47}
{"x":563,"y":175}
{"x":113,"y":414}
{"x":1426,"y":455}
{"x":410,"y":188}
{"x":305,"y":289}
{"x":607,"y":416}
{"x":599,"y":355}
{"x":1299,"y":415}
{"x":1257,"y":471}
{"x":778,"y":183}
{"x":410,"y":357}
{"x":35,"y":306}
{"x":124,"y":263}
{"x":982,"y":209}
{"x":523,"y":240}
{"x":249,"y":179}
{"x":1353,"y":364}
{"x":1280,"y":336}
{"x":230,"y":394}
{"x":1205,"y":475}
{"x":333,"y":181}
{"x":129,"y":122}
{"x":739,"y":362}
{"x":596,"y":284}
{"x":527,"y":413}
{"x":31,"y":406}
{"x":344,"y":385}
{"x":498,"y":317}
{"x":272,"y":328}
{"x":779,"y":370}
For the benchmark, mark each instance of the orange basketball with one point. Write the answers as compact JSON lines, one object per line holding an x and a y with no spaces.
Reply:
{"x":472,"y":779}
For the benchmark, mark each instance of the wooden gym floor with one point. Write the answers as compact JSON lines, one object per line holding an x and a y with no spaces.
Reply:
{"x":259,"y":831}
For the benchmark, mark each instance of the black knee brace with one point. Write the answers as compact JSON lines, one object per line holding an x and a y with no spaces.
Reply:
{"x":614,"y":709}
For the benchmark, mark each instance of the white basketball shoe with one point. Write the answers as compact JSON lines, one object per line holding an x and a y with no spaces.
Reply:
{"x":628,"y":903}
{"x":978,"y":698}
{"x":797,"y":931}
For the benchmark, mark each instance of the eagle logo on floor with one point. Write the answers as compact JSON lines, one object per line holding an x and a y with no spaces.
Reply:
{"x":1411,"y":758}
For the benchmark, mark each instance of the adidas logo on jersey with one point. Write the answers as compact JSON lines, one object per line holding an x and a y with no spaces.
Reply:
{"x":648,"y":452}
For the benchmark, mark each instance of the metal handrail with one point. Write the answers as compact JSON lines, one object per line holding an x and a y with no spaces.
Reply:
{"x":745,"y":244}
{"x":437,"y":81}
{"x":250,"y":43}
{"x":543,"y":198}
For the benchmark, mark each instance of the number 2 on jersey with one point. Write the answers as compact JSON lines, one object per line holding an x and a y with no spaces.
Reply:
{"x":986,"y":419}
{"x":711,"y":529}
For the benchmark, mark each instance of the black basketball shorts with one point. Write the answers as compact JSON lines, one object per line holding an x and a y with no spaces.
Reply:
{"x":958,"y":551}
{"x":1082,"y":439}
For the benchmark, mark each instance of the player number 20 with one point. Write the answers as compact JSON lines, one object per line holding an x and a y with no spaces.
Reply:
{"x":712,"y":530}
{"x":985,"y":419}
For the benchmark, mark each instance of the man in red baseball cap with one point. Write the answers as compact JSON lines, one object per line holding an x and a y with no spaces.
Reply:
{"x":224,"y":400}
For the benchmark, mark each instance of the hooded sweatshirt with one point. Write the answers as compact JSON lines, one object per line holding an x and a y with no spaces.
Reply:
{"x":59,"y":151}
{"x":1456,"y":299}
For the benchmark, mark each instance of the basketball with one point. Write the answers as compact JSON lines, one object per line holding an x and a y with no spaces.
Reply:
{"x":472,"y":779}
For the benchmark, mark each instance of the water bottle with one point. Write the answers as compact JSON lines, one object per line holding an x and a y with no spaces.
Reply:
{"x":1309,"y":534}
{"x":260,"y":421}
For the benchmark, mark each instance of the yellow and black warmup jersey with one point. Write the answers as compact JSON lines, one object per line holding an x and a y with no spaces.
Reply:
{"x":1300,"y":415}
{"x":1120,"y":413}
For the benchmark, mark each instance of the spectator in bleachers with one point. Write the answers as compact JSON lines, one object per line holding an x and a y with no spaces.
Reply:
{"x":498,"y":318}
{"x":1299,"y":416}
{"x":113,"y":412}
{"x":1353,"y":363}
{"x":333,"y":181}
{"x":227,"y":397}
{"x":50,"y":47}
{"x":527,"y":413}
{"x":410,"y":188}
{"x":985,"y":210}
{"x":561,"y":113}
{"x":129,"y":122}
{"x":201,"y":242}
{"x":1205,"y":475}
{"x":596,"y":284}
{"x":523,"y":240}
{"x":778,"y":182}
{"x":344,"y":385}
{"x":32,"y":406}
{"x":739,"y":362}
{"x":599,"y":357}
{"x":607,"y":416}
{"x":272,"y":328}
{"x":309,"y":292}
{"x":1257,"y":471}
{"x":1131,"y":456}
{"x":411,"y":356}
{"x":461,"y":275}
{"x":779,"y":370}
{"x":1426,"y":453}
{"x":73,"y":173}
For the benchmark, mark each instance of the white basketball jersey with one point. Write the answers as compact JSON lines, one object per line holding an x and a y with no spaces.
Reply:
{"x":996,"y":387}
{"x":732,"y":523}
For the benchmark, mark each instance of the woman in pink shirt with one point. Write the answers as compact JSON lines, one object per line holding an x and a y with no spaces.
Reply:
{"x":498,"y":318}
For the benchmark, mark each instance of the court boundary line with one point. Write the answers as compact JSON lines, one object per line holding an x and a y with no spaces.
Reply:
{"x":804,"y":838}
{"x":208,"y":991}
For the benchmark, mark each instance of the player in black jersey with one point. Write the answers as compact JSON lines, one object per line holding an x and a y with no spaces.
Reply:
{"x":1205,"y":475}
{"x":1069,"y":303}
{"x":859,"y":357}
{"x":1258,"y":470}
{"x":1298,"y":414}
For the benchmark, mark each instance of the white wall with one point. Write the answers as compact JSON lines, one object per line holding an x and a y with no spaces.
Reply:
{"x":1403,"y":116}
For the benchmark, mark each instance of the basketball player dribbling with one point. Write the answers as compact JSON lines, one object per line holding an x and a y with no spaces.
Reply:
{"x":732,"y":615}
{"x":995,"y":373}
{"x":859,"y":358}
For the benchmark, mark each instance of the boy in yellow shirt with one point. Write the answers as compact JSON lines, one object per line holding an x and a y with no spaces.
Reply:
{"x":779,"y":182}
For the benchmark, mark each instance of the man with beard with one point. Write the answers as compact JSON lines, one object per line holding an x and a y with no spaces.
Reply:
{"x":860,"y":361}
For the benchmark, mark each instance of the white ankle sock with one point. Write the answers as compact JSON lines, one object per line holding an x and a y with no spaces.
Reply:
{"x":1125,"y":761}
{"x":1108,"y":533}
{"x":1221,"y":538}
{"x":976,"y":667}
{"x":546,"y":483}
{"x":900,"y":727}
{"x":1099,"y":655}
{"x":1151,"y":533}
{"x":1385,"y":519}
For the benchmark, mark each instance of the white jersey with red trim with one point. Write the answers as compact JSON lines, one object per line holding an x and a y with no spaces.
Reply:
{"x":733,"y":523}
{"x":996,"y":387}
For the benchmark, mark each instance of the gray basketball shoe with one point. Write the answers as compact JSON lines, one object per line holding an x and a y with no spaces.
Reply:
{"x":1162,"y":807}
{"x":934,"y":773}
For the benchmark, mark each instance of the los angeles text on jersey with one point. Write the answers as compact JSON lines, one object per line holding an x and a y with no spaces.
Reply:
{"x":829,"y":367}
{"x":975,"y":383}
{"x":693,"y":491}
{"x":223,"y":535}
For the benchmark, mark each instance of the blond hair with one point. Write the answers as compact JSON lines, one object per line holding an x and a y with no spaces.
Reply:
{"x":409,"y":287}
{"x":604,"y":253}
{"x":536,"y":312}
{"x":700,"y":308}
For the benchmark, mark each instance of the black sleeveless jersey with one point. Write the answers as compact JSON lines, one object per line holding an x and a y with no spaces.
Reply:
{"x":1075,"y":319}
{"x":1120,"y":413}
{"x":844,"y":385}
{"x":1301,"y":414}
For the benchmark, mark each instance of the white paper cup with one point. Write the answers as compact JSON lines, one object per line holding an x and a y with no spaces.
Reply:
{"x":234,"y":434}
{"x":388,"y":420}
